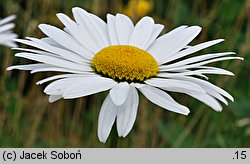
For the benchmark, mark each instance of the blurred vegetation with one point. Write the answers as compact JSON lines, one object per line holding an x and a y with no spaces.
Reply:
{"x":27,"y":119}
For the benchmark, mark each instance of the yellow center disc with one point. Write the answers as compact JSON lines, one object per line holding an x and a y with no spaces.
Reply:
{"x":125,"y":63}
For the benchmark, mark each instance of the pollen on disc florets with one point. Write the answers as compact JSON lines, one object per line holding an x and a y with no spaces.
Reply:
{"x":125,"y":63}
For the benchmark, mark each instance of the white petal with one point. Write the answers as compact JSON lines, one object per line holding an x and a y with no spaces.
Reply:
{"x":56,"y":77}
{"x":195,"y":65}
{"x":208,"y":86}
{"x":126,"y":113}
{"x":124,"y":28}
{"x":88,"y":86}
{"x":112,"y":29}
{"x":53,"y":98}
{"x":94,"y":26}
{"x":216,"y":95}
{"x":58,"y":69}
{"x":137,"y":85}
{"x":155,"y":33}
{"x":65,"y":40}
{"x":78,"y":33}
{"x":202,"y":96}
{"x":194,"y":60}
{"x":36,"y":51}
{"x":6,"y":36}
{"x":163,"y":99}
{"x":8,"y":40}
{"x":51,"y":50}
{"x":142,"y":32}
{"x":175,"y":31}
{"x":174,"y":73}
{"x":175,"y":85}
{"x":54,"y":61}
{"x":54,"y":50}
{"x":119,"y":93}
{"x":217,"y":69}
{"x":6,"y":27}
{"x":168,"y":45}
{"x":7,"y":19}
{"x":197,"y":72}
{"x":193,"y":49}
{"x":101,"y":28}
{"x":209,"y":100}
{"x":164,"y":38}
{"x":57,"y":87}
{"x":106,"y":119}
{"x":51,"y":42}
{"x":28,"y":67}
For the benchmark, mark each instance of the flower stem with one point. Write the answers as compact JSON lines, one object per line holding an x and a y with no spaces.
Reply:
{"x":113,"y":139}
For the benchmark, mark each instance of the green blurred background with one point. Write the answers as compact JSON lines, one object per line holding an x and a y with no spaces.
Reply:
{"x":27,"y":119}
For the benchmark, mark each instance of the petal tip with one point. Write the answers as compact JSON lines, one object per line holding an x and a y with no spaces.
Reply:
{"x":9,"y":68}
{"x":187,"y":113}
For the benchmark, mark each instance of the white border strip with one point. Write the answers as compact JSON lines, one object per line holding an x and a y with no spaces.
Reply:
{"x":122,"y":156}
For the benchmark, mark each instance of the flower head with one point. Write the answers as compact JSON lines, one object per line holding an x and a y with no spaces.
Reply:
{"x":6,"y":36}
{"x":123,"y":58}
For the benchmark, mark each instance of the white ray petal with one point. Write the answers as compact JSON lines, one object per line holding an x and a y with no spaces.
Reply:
{"x":7,"y":19}
{"x":216,"y":95}
{"x":54,"y":61}
{"x":195,"y":65}
{"x":65,"y":40}
{"x":124,"y":28}
{"x":193,"y":49}
{"x":56,"y":77}
{"x":52,"y":49}
{"x":37,"y":52}
{"x":6,"y":27}
{"x":175,"y":85}
{"x":209,"y":86}
{"x":57,"y":87}
{"x":142,"y":32}
{"x":51,"y":42}
{"x":9,"y":43}
{"x":112,"y":29}
{"x":7,"y":37}
{"x":175,"y":31}
{"x":126,"y":113}
{"x":215,"y":68}
{"x":197,"y":72}
{"x":119,"y":93}
{"x":158,"y":42}
{"x":28,"y":67}
{"x":55,"y":51}
{"x":195,"y":59}
{"x":208,"y":100}
{"x":57,"y":69}
{"x":54,"y":98}
{"x":88,"y":86}
{"x":203,"y":97}
{"x":101,"y":28}
{"x":168,"y":45}
{"x":34,"y":68}
{"x":94,"y":26}
{"x":156,"y":32}
{"x":74,"y":29}
{"x":106,"y":119}
{"x":163,"y":99}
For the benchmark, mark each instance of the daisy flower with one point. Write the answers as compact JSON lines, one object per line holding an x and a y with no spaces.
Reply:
{"x":6,"y":36}
{"x":123,"y":58}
